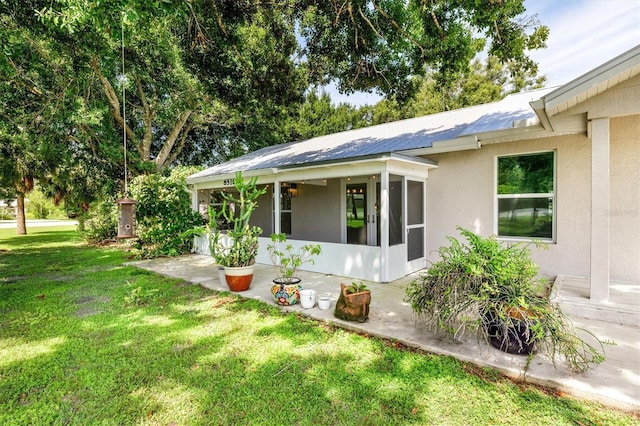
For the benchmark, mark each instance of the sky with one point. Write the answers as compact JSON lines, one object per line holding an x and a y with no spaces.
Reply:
{"x":583,"y":35}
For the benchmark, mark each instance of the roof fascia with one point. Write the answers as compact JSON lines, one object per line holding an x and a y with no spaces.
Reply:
{"x":612,"y":72}
{"x":320,"y":169}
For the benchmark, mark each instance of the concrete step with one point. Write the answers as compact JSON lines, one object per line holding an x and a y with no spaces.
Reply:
{"x":623,"y":306}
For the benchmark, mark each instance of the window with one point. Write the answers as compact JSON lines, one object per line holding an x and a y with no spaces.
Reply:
{"x":525,"y":193}
{"x":285,"y":209}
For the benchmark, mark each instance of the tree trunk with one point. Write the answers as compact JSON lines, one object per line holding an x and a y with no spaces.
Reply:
{"x":21,"y":225}
{"x":81,"y":227}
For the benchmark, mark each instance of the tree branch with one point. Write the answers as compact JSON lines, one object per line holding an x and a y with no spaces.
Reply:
{"x":163,"y":155}
{"x":147,"y":139}
{"x":183,"y":140}
{"x":114,"y":102}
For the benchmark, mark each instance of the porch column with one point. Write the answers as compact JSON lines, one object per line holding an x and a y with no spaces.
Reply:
{"x":384,"y":226}
{"x":600,"y":209}
{"x":276,"y":207}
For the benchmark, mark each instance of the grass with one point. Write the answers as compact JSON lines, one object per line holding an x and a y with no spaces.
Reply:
{"x":85,"y":340}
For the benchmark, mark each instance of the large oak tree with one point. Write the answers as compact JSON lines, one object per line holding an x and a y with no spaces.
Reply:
{"x":206,"y":80}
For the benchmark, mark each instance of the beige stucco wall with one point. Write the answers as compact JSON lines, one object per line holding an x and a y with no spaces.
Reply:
{"x":462,"y":192}
{"x":624,"y":194}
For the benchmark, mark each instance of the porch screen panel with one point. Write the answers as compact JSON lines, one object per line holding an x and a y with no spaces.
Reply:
{"x":415,"y":220}
{"x":415,"y":213}
{"x":415,"y":244}
{"x":396,"y":235}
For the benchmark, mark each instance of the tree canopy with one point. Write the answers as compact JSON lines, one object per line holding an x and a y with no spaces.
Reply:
{"x":207,"y":80}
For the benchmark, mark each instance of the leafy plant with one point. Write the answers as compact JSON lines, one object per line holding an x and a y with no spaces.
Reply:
{"x":101,"y":223}
{"x":356,"y":287}
{"x":239,"y":246}
{"x":138,"y":297}
{"x":286,"y":259}
{"x":476,"y":285}
{"x":163,"y":214}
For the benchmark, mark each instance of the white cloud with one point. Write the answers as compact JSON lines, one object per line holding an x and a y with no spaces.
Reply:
{"x":584,"y":34}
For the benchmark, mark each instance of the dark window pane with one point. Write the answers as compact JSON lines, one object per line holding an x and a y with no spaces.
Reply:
{"x":415,"y":211}
{"x":395,"y":210}
{"x":285,"y":222}
{"x":415,"y":244}
{"x":525,"y":217}
{"x":526,"y":174}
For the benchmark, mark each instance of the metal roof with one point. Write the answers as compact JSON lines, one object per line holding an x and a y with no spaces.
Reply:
{"x":398,"y":136}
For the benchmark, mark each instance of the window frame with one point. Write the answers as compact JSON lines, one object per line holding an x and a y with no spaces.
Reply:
{"x":553,"y":195}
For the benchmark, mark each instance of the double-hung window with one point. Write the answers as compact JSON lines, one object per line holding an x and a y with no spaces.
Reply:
{"x":526,"y":196}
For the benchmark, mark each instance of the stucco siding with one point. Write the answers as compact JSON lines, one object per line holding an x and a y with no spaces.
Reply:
{"x":625,"y":199}
{"x":462,"y":192}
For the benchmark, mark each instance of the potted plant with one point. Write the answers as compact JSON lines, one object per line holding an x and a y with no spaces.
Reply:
{"x":236,"y":249}
{"x":491,"y":287}
{"x":287,"y":261}
{"x":353,"y":302}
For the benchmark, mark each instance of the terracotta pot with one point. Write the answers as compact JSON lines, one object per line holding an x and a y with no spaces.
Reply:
{"x":239,"y":278}
{"x":354,"y":306}
{"x":286,"y":292}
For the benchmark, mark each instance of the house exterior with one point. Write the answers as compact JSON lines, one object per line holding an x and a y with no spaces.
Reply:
{"x":560,"y":166}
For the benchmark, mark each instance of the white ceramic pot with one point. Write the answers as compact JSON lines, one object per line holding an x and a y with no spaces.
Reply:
{"x":324,"y":302}
{"x":307,"y":298}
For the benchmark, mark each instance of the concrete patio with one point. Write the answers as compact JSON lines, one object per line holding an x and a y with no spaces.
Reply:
{"x":616,"y":382}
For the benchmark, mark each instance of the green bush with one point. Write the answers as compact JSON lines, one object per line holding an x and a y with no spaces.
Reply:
{"x":101,"y":223}
{"x":485,"y":283}
{"x":163,"y":214}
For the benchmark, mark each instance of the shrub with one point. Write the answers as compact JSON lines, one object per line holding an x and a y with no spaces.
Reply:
{"x":475,"y":284}
{"x":163,"y":214}
{"x":101,"y":223}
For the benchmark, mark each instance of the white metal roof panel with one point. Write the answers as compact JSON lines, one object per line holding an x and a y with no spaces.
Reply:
{"x":403,"y":135}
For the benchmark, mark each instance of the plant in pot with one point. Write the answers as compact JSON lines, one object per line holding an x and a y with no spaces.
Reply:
{"x":483,"y":285}
{"x":353,"y":302}
{"x":236,"y":249}
{"x":288,"y":260}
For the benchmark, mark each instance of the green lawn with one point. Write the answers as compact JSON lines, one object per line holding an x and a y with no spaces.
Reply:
{"x":85,"y":340}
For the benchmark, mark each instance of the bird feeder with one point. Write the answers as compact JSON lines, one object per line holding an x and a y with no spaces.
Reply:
{"x":126,"y":218}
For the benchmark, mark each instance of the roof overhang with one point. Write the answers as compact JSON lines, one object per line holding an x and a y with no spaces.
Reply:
{"x":324,"y":169}
{"x":585,"y":87}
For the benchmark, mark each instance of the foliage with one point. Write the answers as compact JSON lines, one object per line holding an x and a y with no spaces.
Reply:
{"x":73,"y":354}
{"x":163,"y":214}
{"x":483,"y":82}
{"x":239,"y":246}
{"x":38,"y":206}
{"x":101,"y":224}
{"x":286,"y":260}
{"x":356,"y":287}
{"x":138,"y":296}
{"x":483,"y":279}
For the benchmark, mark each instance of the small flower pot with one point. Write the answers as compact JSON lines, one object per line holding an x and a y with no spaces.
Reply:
{"x":286,"y":292}
{"x":324,"y":303}
{"x":307,"y":298}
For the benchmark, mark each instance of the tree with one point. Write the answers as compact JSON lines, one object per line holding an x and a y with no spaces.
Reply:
{"x":36,"y":102}
{"x":202,"y":69}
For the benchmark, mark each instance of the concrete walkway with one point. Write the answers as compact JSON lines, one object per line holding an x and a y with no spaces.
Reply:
{"x":616,"y":382}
